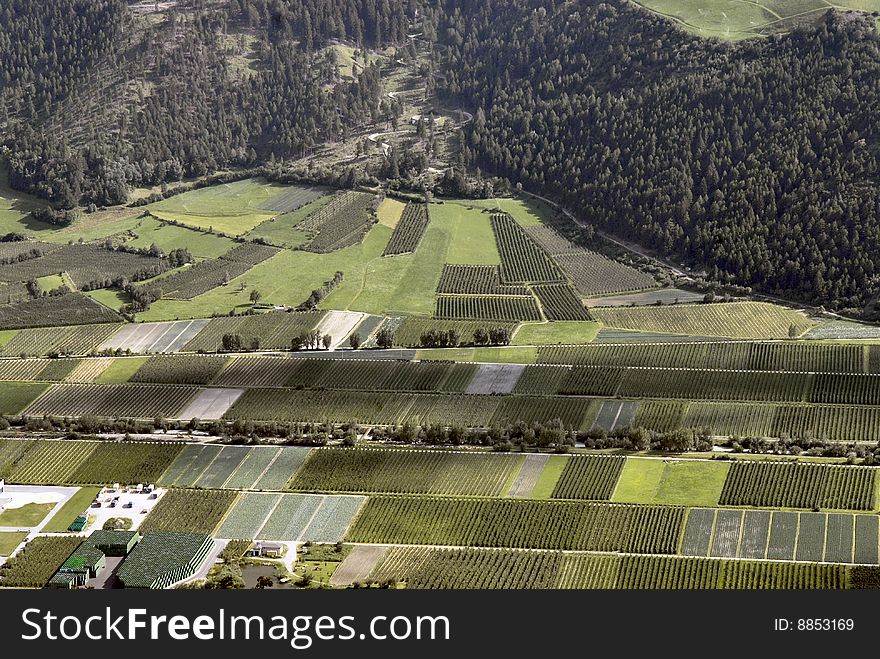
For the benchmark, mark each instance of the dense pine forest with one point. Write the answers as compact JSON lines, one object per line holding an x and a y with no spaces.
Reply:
{"x":757,"y":160}
{"x":98,"y":99}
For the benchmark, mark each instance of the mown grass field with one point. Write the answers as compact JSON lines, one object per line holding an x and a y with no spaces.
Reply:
{"x":15,"y":396}
{"x":526,"y":211}
{"x":9,"y":540}
{"x":51,"y":282}
{"x":15,"y":208}
{"x":654,"y":481}
{"x":169,"y":237}
{"x":30,"y":514}
{"x":120,"y":370}
{"x":390,"y":212}
{"x":560,"y":332}
{"x":232,"y":208}
{"x":72,"y":508}
{"x":736,"y":20}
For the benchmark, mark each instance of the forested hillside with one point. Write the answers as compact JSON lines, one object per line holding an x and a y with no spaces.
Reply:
{"x":758,"y":159}
{"x":97,"y":98}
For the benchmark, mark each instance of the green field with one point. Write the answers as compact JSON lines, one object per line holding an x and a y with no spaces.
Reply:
{"x":282,"y":230}
{"x":231,"y":208}
{"x":15,"y":208}
{"x":471,"y":241}
{"x":110,"y":297}
{"x":404,"y":284}
{"x":549,"y":477}
{"x":736,"y":19}
{"x":512,"y":355}
{"x":737,"y":320}
{"x":29,"y":515}
{"x":678,"y":482}
{"x":168,"y":237}
{"x":6,"y":336}
{"x":560,"y":332}
{"x":72,"y":508}
{"x":94,"y":226}
{"x":9,"y":540}
{"x":120,"y":370}
{"x":15,"y":396}
{"x":526,"y":211}
{"x":51,"y":282}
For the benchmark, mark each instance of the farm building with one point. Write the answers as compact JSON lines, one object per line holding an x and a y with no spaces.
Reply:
{"x":267,"y":549}
{"x":90,"y":558}
{"x":164,"y":558}
{"x":115,"y":543}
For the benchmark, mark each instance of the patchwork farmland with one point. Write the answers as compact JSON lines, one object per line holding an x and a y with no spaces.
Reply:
{"x":496,"y":364}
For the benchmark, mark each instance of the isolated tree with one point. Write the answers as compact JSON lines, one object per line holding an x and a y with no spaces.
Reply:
{"x":326,"y":341}
{"x":354,"y":340}
{"x":265,"y":581}
{"x":793,"y":332}
{"x":256,"y":296}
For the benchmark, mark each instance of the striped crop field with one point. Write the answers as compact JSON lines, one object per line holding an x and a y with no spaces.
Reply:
{"x":737,"y":320}
{"x":475,"y":280}
{"x":675,"y":572}
{"x":781,"y":535}
{"x":528,"y":524}
{"x":409,"y":230}
{"x":290,"y":517}
{"x":135,"y":401}
{"x":234,"y":467}
{"x":430,"y":568}
{"x":800,"y":485}
{"x":802,"y":357}
{"x":407,"y":472}
{"x":522,"y":259}
{"x":426,"y":568}
{"x":488,"y":308}
{"x":831,"y":422}
{"x":589,"y":477}
{"x":189,"y":511}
